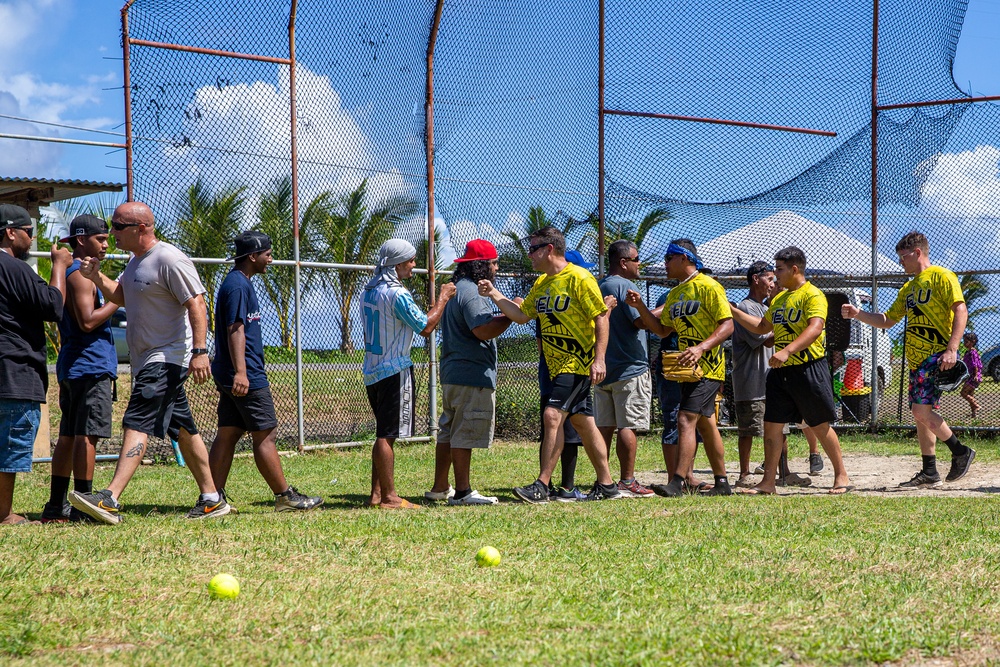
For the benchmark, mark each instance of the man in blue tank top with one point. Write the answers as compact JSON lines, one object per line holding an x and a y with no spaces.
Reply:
{"x":86,"y":368}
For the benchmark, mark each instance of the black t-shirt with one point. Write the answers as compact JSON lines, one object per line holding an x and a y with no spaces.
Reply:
{"x":26,"y":303}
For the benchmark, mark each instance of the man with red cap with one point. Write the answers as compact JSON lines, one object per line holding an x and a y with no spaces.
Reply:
{"x":468,"y":375}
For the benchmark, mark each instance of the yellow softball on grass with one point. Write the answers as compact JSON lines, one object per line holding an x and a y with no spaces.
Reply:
{"x":487,"y":557}
{"x":225,"y":586}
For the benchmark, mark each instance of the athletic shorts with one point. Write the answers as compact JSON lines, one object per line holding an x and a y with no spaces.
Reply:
{"x":570,"y":436}
{"x":86,"y":407}
{"x":467,"y":417}
{"x":800,"y":393}
{"x":392,"y":400}
{"x":750,"y":419}
{"x":18,"y":426}
{"x":624,"y":404}
{"x":158,"y":405}
{"x":253,"y":412}
{"x":699,"y":397}
{"x":571,"y":393}
{"x":923,"y":383}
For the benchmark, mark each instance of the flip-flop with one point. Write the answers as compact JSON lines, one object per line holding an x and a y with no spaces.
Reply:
{"x":23,"y":521}
{"x":841,"y":490}
{"x":702,"y":487}
{"x":755,"y":492}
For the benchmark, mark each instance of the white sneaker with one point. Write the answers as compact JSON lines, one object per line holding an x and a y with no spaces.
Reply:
{"x":440,"y":495}
{"x":474,"y":499}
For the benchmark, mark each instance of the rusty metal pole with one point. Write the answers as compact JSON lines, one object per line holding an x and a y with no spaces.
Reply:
{"x":600,"y":138}
{"x":873,"y":381}
{"x":431,"y":271}
{"x":293,"y":140}
{"x":127,"y":80}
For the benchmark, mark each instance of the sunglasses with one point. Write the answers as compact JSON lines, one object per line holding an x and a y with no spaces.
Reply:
{"x":121,"y":226}
{"x":533,"y":248}
{"x":631,"y":259}
{"x":667,"y":258}
{"x":30,"y":231}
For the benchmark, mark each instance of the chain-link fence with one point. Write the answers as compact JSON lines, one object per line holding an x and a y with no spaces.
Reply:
{"x":744,"y":127}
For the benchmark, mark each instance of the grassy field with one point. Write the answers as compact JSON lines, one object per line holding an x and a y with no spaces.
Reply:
{"x":737,"y":581}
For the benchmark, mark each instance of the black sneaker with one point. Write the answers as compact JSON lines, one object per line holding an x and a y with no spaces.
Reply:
{"x":959,"y":466}
{"x":815,"y":464}
{"x":76,"y":516}
{"x":293,"y":501}
{"x":719,"y":490}
{"x":207,"y":509}
{"x":670,"y":490}
{"x":563,"y":495}
{"x":56,"y":514}
{"x":98,"y":505}
{"x":603,"y":492}
{"x":923,"y":481}
{"x":535,"y":493}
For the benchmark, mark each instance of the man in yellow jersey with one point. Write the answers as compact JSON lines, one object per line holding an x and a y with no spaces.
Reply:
{"x":799,"y":387}
{"x":574,"y":324}
{"x":934,"y":307}
{"x":697,"y":309}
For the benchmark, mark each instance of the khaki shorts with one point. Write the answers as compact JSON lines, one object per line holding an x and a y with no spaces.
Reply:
{"x":624,"y":404}
{"x":467,"y":419}
{"x":750,"y":419}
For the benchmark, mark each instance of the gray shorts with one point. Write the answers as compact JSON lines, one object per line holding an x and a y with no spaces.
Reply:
{"x":467,"y":417}
{"x":750,"y":419}
{"x":624,"y":404}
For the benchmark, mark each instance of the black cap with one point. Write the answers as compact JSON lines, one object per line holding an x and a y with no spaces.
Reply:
{"x":250,"y":242}
{"x":85,"y":225}
{"x":14,"y":216}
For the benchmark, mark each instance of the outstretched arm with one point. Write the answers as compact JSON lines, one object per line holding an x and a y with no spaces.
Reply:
{"x":757,"y":325}
{"x":877,"y":320}
{"x":437,"y":310}
{"x":90,"y":268}
{"x":649,"y":320}
{"x":506,"y":306}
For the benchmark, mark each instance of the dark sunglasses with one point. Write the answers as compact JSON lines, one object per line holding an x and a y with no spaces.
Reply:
{"x":30,"y":231}
{"x":121,"y":226}
{"x":533,"y":248}
{"x":667,"y":258}
{"x":631,"y":259}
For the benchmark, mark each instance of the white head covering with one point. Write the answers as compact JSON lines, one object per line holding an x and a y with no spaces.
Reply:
{"x":392,"y":252}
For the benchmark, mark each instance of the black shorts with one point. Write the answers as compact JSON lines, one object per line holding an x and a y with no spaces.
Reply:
{"x":158,"y":405}
{"x":800,"y":393}
{"x":253,"y":412}
{"x":699,"y":397}
{"x":392,"y":400}
{"x":571,"y":393}
{"x":86,"y":407}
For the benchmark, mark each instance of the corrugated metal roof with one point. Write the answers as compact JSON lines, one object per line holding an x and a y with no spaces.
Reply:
{"x":44,"y":191}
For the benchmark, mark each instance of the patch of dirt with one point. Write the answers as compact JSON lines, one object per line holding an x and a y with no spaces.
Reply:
{"x":872,"y":475}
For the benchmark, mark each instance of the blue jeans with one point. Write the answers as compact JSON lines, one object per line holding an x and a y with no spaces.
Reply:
{"x":18,"y":425}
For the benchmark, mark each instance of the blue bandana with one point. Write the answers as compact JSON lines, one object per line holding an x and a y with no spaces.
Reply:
{"x":674,"y":249}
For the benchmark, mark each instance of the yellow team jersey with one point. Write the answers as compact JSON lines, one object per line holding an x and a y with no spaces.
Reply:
{"x":790,"y":312}
{"x":694,"y":309}
{"x":926,"y":301}
{"x":566,"y":305}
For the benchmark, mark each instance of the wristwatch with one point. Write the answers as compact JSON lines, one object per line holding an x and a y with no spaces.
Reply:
{"x":199,"y":350}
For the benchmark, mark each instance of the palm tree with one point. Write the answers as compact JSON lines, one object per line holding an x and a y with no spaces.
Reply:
{"x":974,"y":289}
{"x":349,"y":230}
{"x":274,"y":214}
{"x":205,"y":225}
{"x":628,"y":230}
{"x":514,"y":252}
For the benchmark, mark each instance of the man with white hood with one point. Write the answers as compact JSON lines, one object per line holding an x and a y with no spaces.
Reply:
{"x":391,"y":319}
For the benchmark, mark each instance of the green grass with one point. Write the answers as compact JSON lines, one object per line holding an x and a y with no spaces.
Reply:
{"x":740,"y":581}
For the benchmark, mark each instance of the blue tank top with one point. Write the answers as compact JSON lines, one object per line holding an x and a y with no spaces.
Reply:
{"x":85,"y":354}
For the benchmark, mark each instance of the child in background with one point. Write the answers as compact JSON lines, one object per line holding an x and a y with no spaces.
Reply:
{"x":975,"y":366}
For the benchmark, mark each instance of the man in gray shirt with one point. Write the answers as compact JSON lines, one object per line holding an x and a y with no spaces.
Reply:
{"x":166,"y":305}
{"x":468,"y":375}
{"x":622,"y":400}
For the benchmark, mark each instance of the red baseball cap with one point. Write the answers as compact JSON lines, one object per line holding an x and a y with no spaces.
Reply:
{"x":477,"y":249}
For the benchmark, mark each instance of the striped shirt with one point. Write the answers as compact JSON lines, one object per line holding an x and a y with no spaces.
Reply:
{"x":391,"y":319}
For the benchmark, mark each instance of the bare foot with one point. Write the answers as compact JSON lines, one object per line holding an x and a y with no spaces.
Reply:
{"x":18,"y":520}
{"x":398,"y":504}
{"x":759,"y":490}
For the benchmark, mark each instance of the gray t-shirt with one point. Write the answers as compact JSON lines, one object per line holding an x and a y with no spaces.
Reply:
{"x":626,"y":356}
{"x":156,"y":286}
{"x":465,"y":359}
{"x":750,"y":356}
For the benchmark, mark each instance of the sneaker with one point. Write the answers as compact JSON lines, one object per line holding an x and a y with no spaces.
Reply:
{"x":759,"y":470}
{"x":563,"y":495}
{"x":207,"y":509}
{"x":815,"y":464}
{"x":98,"y":505}
{"x":56,"y":514}
{"x":229,"y":501}
{"x":959,"y":466}
{"x":602,"y":492}
{"x":76,"y":516}
{"x":668,"y":490}
{"x":292,"y":501}
{"x":440,"y":495}
{"x":634,"y":490}
{"x":719,"y":490}
{"x":535,"y":493}
{"x":474,"y":499}
{"x":923,"y":481}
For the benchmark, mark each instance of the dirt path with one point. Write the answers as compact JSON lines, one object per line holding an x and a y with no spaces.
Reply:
{"x":872,"y":475}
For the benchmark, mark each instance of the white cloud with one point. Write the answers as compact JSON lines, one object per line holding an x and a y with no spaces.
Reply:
{"x":25,"y":158}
